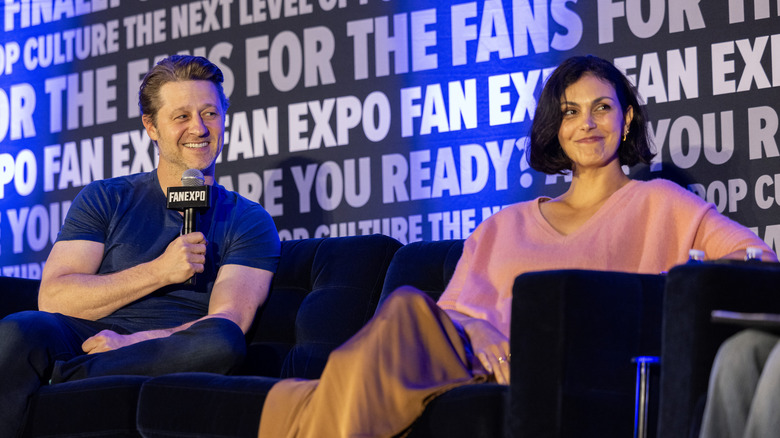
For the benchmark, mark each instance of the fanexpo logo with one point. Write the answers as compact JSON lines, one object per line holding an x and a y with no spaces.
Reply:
{"x":187,"y":196}
{"x":180,"y":198}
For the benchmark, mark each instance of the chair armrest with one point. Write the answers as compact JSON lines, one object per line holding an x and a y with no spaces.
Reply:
{"x":17,"y":294}
{"x":691,"y":339}
{"x":573,"y":336}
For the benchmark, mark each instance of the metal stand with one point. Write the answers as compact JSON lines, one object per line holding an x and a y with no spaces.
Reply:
{"x":642,"y":393}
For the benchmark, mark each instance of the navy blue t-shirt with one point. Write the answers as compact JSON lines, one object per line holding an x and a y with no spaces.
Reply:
{"x":129,"y":216}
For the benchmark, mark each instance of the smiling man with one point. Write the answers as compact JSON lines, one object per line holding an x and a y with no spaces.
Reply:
{"x":113,"y":298}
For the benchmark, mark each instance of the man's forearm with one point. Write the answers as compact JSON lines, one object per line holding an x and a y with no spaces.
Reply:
{"x":94,"y":296}
{"x":71,"y":285}
{"x":108,"y":340}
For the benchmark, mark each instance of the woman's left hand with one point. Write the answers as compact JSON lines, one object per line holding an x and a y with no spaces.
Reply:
{"x":490,"y":346}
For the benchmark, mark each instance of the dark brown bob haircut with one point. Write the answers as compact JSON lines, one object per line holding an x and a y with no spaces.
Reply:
{"x":546,"y":154}
{"x":173,"y":69}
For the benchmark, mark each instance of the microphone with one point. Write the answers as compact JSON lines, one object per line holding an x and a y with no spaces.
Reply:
{"x":194,"y":195}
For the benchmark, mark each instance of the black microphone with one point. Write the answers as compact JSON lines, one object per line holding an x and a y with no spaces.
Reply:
{"x":193,"y":196}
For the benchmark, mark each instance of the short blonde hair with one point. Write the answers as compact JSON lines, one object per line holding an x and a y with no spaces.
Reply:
{"x":177,"y":68}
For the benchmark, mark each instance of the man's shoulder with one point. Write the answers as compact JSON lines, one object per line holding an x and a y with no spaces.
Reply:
{"x":248,"y":227}
{"x":128,"y":189}
{"x":235,"y":199}
{"x":238,"y":213}
{"x":123,"y":183}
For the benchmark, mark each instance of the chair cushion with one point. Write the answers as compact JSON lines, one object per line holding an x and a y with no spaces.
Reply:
{"x":99,"y":406}
{"x":202,"y":405}
{"x":466,"y":411}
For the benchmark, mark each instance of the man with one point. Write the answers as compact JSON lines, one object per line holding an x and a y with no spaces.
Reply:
{"x":112,"y":299}
{"x":743,"y":397}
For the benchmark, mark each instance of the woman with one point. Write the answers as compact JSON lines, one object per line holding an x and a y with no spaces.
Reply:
{"x":588,"y":121}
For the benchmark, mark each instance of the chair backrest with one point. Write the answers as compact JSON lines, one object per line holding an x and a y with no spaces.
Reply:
{"x":323,"y":292}
{"x":428,"y":266}
{"x":17,"y":294}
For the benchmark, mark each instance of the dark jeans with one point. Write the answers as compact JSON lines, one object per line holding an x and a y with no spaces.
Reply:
{"x":37,"y":348}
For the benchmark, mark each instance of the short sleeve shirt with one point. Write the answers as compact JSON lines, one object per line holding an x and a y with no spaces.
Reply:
{"x":129,"y":215}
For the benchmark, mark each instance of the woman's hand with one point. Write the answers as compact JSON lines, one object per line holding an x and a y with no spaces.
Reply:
{"x":490,"y":346}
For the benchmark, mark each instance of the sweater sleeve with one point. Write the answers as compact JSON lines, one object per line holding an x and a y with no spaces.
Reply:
{"x":719,"y":236}
{"x":481,"y":284}
{"x":449,"y":298}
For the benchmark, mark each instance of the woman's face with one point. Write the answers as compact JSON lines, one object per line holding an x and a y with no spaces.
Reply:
{"x":593,"y":123}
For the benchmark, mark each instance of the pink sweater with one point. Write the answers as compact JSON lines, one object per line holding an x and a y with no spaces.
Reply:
{"x":645,"y":227}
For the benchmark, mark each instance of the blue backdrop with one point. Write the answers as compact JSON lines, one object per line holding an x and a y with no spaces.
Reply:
{"x":406,"y":118}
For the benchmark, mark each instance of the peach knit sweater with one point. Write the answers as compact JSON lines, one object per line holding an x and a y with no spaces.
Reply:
{"x":645,"y":227}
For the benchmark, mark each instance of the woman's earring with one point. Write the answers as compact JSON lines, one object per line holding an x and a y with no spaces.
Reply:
{"x":625,"y":135}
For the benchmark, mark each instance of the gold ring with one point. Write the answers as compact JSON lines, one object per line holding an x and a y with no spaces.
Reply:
{"x":501,"y":359}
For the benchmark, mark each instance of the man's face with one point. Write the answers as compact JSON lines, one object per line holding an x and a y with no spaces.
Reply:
{"x":190,"y":126}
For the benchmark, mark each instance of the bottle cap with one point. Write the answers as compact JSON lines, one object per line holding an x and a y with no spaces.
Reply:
{"x":754,"y":253}
{"x":696,"y":254}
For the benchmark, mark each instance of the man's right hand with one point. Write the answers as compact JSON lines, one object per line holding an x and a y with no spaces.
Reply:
{"x":183,"y":258}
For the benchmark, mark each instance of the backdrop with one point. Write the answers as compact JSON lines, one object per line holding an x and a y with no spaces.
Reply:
{"x":406,"y":118}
